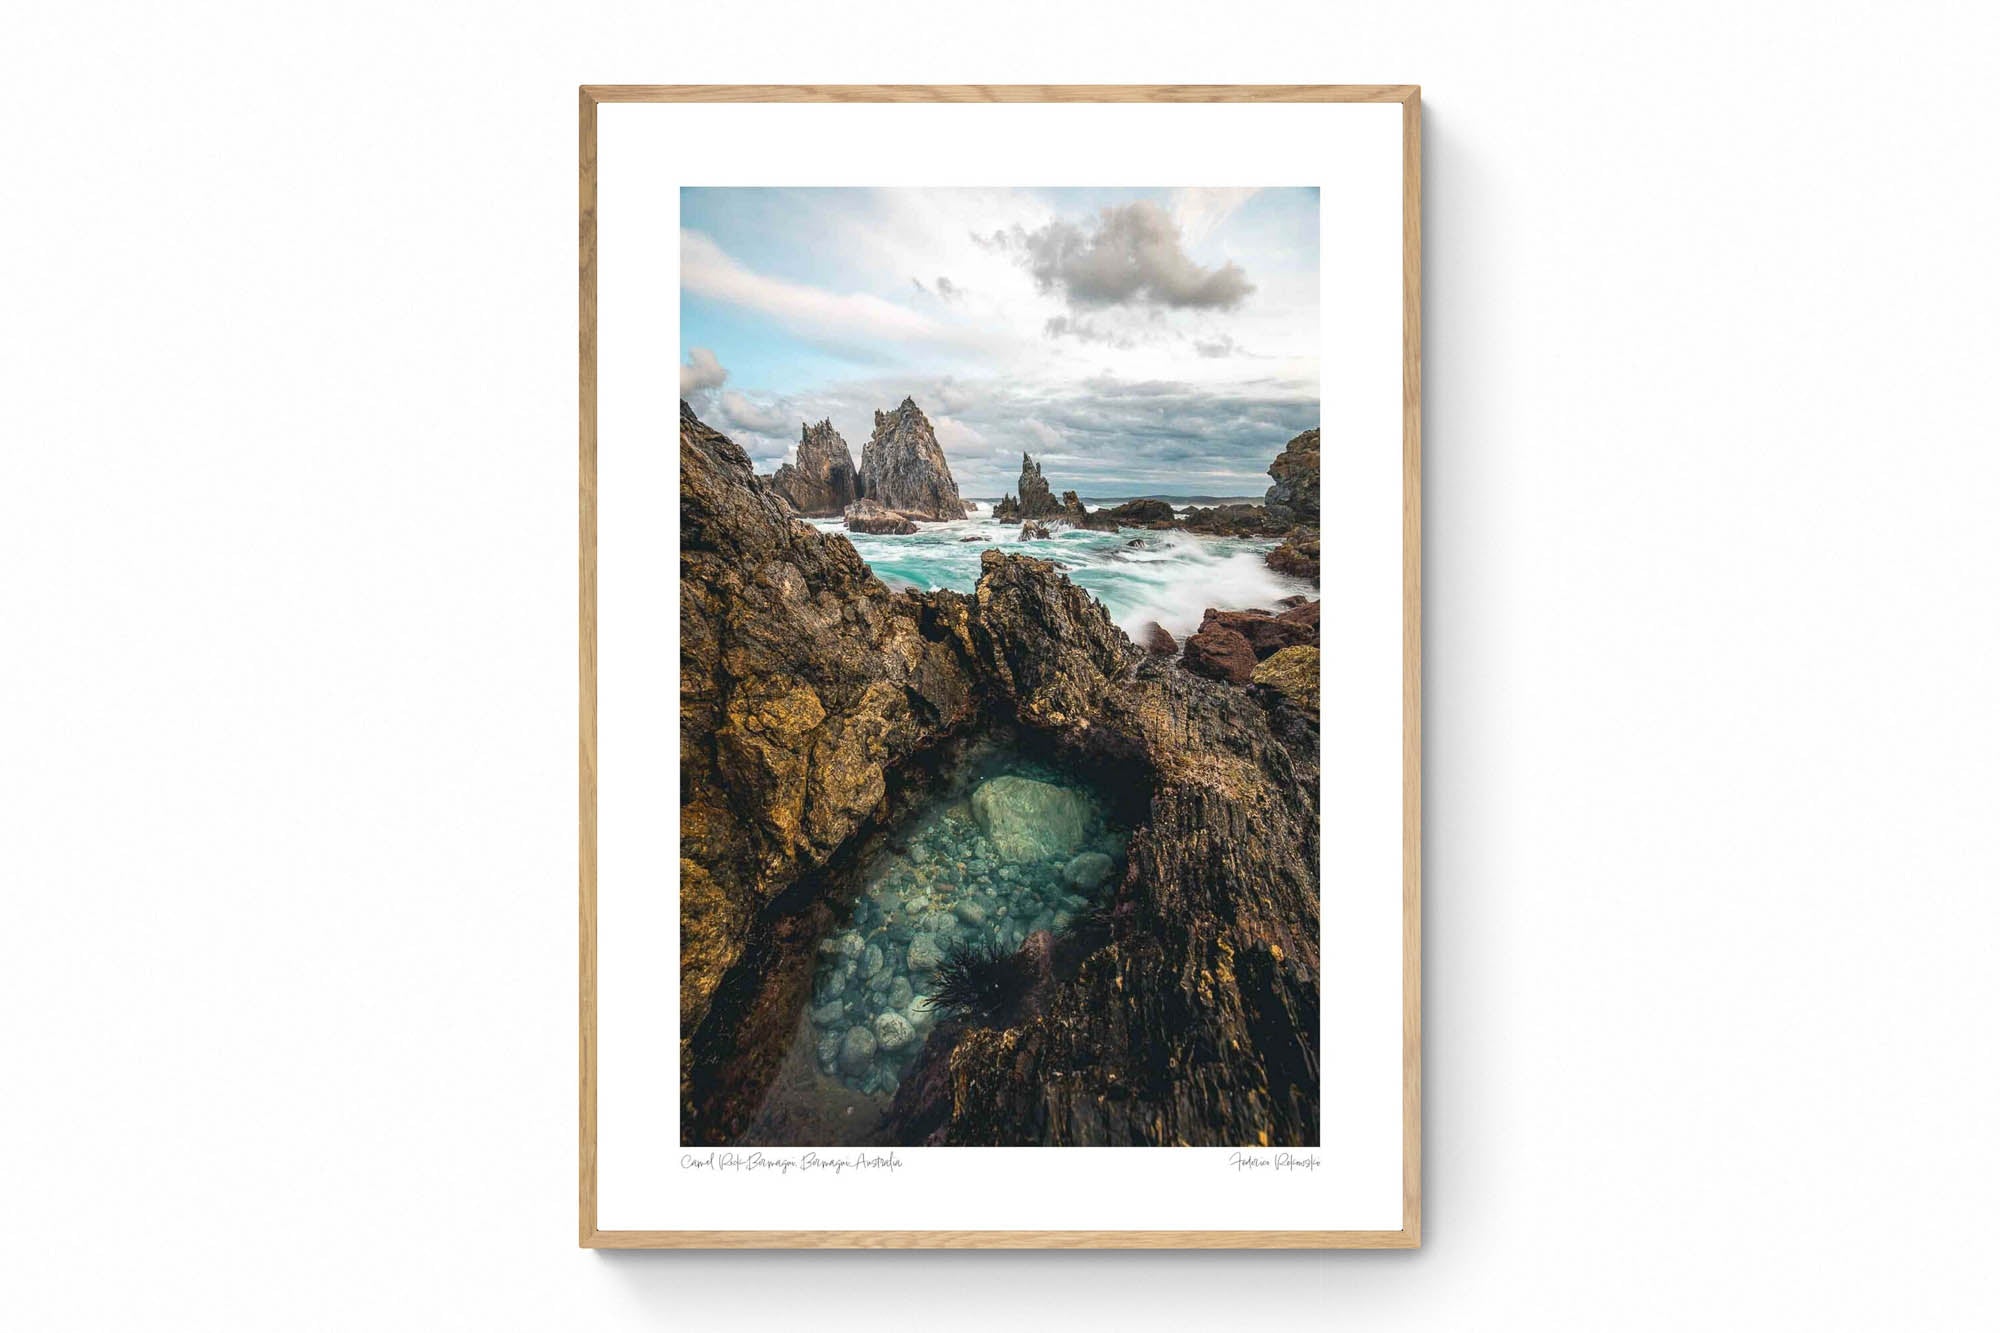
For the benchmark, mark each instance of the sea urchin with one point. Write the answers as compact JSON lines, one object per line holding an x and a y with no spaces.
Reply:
{"x":980,"y":983}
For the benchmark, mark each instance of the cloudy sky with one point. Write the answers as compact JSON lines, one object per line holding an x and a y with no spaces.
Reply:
{"x":1162,"y":340}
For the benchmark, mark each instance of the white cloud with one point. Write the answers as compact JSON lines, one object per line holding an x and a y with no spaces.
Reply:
{"x":706,"y":270}
{"x":701,"y":372}
{"x":953,"y":434}
{"x":1200,"y":211}
{"x":742,"y":412}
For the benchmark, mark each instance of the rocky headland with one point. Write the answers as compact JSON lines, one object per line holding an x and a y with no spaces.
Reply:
{"x":818,"y":707}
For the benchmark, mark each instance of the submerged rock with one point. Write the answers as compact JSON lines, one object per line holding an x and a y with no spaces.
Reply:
{"x":892,"y":1031}
{"x":871,"y":517}
{"x":1088,"y":870}
{"x":857,"y":1049}
{"x":1033,"y":532}
{"x":925,"y":953}
{"x":903,"y":468}
{"x":821,"y":481}
{"x":1029,"y":820}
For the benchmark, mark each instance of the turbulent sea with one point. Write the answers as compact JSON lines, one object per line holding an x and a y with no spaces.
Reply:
{"x":1170,"y":577}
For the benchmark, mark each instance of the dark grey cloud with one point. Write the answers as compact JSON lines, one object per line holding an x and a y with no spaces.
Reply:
{"x":1130,"y":255}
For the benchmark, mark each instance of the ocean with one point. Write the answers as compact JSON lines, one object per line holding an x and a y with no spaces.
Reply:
{"x":1169,"y":577}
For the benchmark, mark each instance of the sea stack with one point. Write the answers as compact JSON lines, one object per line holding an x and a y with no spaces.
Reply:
{"x":821,"y":482}
{"x":903,"y":468}
{"x":1036,"y":499}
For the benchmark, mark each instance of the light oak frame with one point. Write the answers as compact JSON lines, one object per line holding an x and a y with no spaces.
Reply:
{"x":1410,"y":1235}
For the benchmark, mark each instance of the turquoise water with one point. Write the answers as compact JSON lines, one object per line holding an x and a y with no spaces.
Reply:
{"x":1010,"y":846}
{"x":1139,"y":575}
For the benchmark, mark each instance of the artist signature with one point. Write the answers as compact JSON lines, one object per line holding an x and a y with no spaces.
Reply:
{"x":804,"y":1164}
{"x":1263,"y":1161}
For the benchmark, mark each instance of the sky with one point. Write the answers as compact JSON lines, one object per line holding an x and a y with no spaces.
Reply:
{"x":1132,"y":340}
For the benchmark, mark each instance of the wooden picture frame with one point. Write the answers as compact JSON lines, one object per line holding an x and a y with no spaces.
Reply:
{"x":1409,"y":1235}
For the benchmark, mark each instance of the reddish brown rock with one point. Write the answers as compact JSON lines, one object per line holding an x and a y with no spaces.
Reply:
{"x":1296,"y":556}
{"x":1267,"y":633}
{"x":1220,"y":653}
{"x":1155,"y":639}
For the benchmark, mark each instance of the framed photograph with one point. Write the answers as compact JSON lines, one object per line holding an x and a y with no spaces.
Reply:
{"x":1000,"y":762}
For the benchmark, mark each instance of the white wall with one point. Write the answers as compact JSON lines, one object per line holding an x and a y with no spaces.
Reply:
{"x":286,"y":678}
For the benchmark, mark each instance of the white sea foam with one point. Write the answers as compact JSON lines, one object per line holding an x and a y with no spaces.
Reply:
{"x":1168,"y":577}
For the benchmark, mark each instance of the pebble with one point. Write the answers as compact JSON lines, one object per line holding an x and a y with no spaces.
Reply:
{"x":857,"y":1049}
{"x":829,"y":1013}
{"x":925,"y":954}
{"x":892,"y":1031}
{"x":1088,"y":870}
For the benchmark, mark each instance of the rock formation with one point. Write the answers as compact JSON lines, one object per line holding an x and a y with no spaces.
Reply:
{"x":1236,"y":520}
{"x":820,"y":481}
{"x":1297,"y":555}
{"x":803,"y":678}
{"x":1292,"y":673}
{"x":1295,"y":480}
{"x":1033,"y":531}
{"x":868,"y":516}
{"x":903,"y":468}
{"x":816,"y":705}
{"x":1230,"y":644}
{"x":1035,"y":501}
{"x":1142,"y":514}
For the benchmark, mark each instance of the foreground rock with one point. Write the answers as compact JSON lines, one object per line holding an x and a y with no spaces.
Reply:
{"x":814,"y":704}
{"x":868,"y":516}
{"x":1292,"y":674}
{"x":1266,"y":632}
{"x":1220,"y":653}
{"x":804,"y":682}
{"x":821,"y":481}
{"x":903,"y":468}
{"x":1229,"y":644}
{"x":1192,"y":1015}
